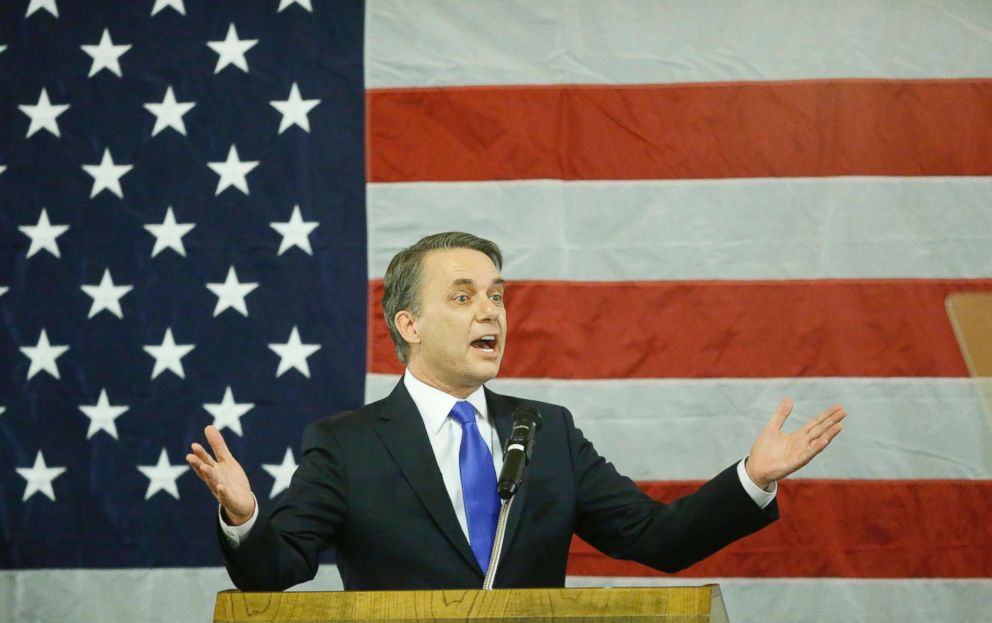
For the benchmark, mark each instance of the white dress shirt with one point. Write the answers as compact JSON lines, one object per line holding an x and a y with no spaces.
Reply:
{"x":445,"y":435}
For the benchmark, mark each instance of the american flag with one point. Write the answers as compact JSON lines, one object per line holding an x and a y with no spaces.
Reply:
{"x":704,"y":206}
{"x":183,"y":236}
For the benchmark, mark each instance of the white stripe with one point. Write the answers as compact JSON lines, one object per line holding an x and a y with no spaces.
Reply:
{"x":167,"y":595}
{"x":792,"y":228}
{"x":829,"y":600}
{"x":522,"y":42}
{"x":123,"y":595}
{"x":679,"y":429}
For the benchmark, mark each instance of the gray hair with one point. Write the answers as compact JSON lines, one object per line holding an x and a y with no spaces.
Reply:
{"x":401,"y":284}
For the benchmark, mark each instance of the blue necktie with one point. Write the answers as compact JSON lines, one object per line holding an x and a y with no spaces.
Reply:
{"x":475,"y":463}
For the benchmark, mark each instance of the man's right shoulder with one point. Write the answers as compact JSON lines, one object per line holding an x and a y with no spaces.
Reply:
{"x":346,"y":422}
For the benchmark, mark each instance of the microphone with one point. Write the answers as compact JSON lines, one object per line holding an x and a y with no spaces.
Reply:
{"x":519,"y":447}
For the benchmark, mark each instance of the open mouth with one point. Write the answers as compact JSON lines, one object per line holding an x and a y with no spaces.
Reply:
{"x":486,"y":343}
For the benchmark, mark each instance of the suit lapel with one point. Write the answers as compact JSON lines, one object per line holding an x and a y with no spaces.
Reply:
{"x":501,"y":411}
{"x":402,"y":431}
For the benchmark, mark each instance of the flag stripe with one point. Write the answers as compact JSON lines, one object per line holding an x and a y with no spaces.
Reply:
{"x":432,"y":44}
{"x":702,"y":229}
{"x":720,"y":329}
{"x":816,"y":600}
{"x":828,"y":600}
{"x":860,"y":528}
{"x":930,"y":428}
{"x":771,"y":129}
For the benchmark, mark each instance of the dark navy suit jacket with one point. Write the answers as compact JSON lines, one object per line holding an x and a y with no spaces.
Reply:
{"x":369,"y":486}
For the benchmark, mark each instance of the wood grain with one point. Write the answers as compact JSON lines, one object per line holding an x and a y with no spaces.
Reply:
{"x":971,"y":317}
{"x":588,"y":605}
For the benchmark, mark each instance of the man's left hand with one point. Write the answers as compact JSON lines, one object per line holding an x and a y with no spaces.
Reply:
{"x":776,"y":454}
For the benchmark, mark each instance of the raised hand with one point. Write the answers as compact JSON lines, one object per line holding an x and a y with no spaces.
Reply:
{"x":224,"y":476}
{"x":776,"y":454}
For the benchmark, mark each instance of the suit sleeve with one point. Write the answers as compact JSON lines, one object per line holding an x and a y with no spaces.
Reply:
{"x":282,"y":549}
{"x":616,"y":517}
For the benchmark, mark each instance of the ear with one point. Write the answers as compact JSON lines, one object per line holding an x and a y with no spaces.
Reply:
{"x":406,"y":325}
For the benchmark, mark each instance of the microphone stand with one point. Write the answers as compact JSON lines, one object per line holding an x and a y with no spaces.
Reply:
{"x":526,"y":422}
{"x":504,"y":514}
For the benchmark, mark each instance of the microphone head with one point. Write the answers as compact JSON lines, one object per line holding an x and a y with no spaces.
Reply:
{"x":527,"y":415}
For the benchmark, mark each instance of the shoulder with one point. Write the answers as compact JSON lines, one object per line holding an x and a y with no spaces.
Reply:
{"x":344,"y":425}
{"x":553,"y":416}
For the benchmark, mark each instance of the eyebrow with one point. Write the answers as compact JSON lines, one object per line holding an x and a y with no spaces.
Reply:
{"x":471,"y":282}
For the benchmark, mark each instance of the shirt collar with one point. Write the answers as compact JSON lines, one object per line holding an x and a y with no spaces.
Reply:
{"x":435,"y":405}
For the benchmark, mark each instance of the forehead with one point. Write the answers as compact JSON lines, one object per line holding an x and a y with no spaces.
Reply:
{"x":445,"y":266}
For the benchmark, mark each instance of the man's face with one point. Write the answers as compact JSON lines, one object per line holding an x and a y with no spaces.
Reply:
{"x":461,"y":326}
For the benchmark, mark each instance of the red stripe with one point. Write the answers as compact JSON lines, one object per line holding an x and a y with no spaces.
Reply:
{"x":574,"y":330}
{"x":853,"y":529}
{"x":763,"y":129}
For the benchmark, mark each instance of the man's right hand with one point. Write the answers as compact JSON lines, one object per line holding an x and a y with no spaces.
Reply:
{"x":224,"y":476}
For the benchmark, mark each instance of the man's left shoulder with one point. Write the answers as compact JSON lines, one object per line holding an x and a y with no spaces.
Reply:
{"x":505,"y":403}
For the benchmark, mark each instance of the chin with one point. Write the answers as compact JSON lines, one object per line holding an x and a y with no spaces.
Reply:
{"x":485,"y":372}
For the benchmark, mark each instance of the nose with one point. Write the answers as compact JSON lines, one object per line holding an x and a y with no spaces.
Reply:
{"x":487,"y":310}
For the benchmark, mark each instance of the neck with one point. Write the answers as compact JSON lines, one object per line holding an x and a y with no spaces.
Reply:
{"x":425,"y":377}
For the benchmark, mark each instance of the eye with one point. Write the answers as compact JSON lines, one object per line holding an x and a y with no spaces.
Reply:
{"x":461,"y":298}
{"x":497,"y":298}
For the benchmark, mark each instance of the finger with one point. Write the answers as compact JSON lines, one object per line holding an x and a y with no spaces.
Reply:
{"x":781,"y":414}
{"x":829,"y":434}
{"x":203,"y":472}
{"x":826,"y":421}
{"x":200,"y":471}
{"x":202,"y":454}
{"x":823,"y":416}
{"x":819,"y":444}
{"x":809,"y":425}
{"x":194,"y":462}
{"x":217,"y":443}
{"x":198,"y":466}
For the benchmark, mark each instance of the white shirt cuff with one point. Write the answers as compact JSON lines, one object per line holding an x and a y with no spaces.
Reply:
{"x":234,"y":534}
{"x":761,"y":497}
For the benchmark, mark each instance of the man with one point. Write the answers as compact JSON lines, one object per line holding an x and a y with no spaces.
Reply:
{"x":404,"y":488}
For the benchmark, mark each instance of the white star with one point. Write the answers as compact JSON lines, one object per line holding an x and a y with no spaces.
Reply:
{"x":172,"y":4}
{"x":295,"y":232}
{"x":3,"y":290}
{"x":106,"y":296}
{"x":294,"y":110}
{"x":231,"y":51}
{"x":105,"y":55}
{"x":227,"y":413}
{"x":232,"y":171}
{"x":169,"y":235}
{"x":43,"y":356}
{"x":43,"y":115}
{"x":2,"y":168}
{"x":293,"y":354}
{"x":168,"y":355}
{"x":231,"y":294}
{"x":169,"y":114}
{"x":39,"y":477}
{"x":282,"y":473}
{"x":162,"y":476}
{"x":43,"y":235}
{"x":48,"y":5}
{"x":102,"y":415}
{"x":107,"y":175}
{"x":303,"y":3}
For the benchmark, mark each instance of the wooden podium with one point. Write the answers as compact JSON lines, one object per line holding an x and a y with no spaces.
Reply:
{"x":690,"y":604}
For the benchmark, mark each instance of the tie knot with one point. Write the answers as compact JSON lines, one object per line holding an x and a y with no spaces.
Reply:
{"x":463,"y":412}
